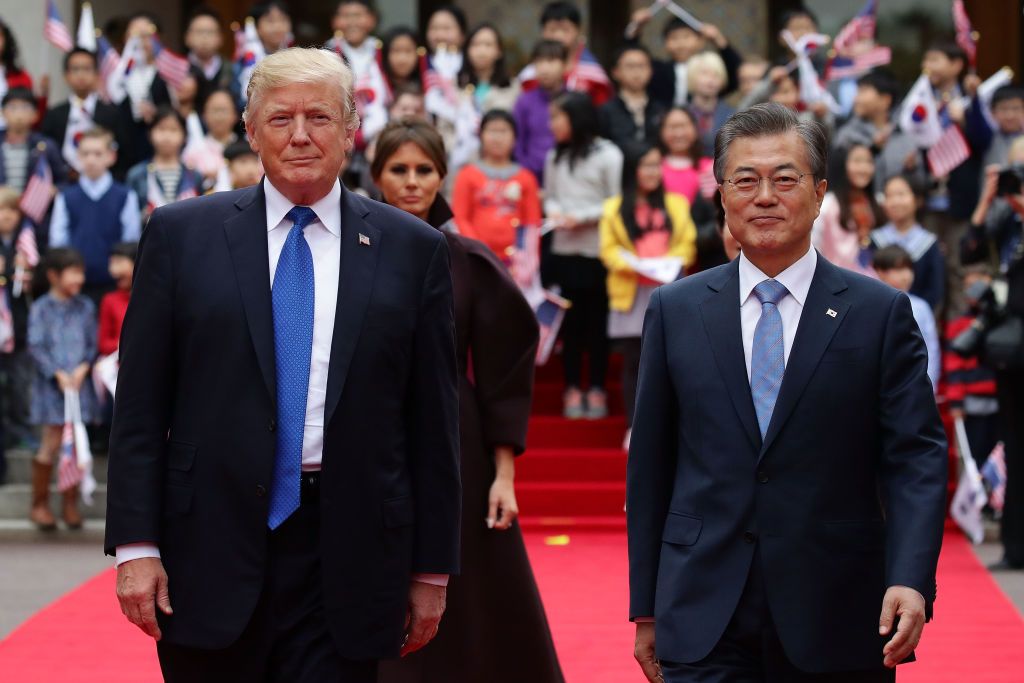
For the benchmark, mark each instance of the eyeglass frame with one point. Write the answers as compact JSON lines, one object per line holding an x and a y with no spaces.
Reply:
{"x":731,"y":182}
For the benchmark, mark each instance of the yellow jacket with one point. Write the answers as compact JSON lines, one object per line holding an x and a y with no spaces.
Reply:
{"x":622,"y":280}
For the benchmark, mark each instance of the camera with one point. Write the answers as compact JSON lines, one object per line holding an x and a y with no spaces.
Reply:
{"x":1010,"y":180}
{"x":982,"y":298}
{"x":996,"y":337}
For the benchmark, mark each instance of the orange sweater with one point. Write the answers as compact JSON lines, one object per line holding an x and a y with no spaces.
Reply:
{"x":489,"y":207}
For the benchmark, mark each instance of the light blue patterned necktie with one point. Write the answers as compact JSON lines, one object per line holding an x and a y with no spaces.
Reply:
{"x":768,"y":356}
{"x":292,"y":295}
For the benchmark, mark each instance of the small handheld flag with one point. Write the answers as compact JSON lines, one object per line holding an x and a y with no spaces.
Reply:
{"x":55,"y":30}
{"x":35,"y":200}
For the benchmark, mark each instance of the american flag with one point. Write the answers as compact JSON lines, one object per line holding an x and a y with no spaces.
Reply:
{"x":847,"y":63}
{"x":993,"y":472}
{"x":171,"y":66}
{"x":550,"y":315}
{"x":858,"y":29}
{"x":108,"y":59}
{"x":587,"y":75}
{"x":69,"y":474}
{"x":524,"y":257}
{"x":38,"y":194}
{"x":950,"y":151}
{"x":839,"y":68}
{"x":26,"y":246}
{"x":55,"y":31}
{"x":965,"y":36}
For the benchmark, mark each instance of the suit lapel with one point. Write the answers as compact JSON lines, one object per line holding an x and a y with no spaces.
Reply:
{"x":355,"y":285}
{"x":815,"y":331}
{"x":721,"y":316}
{"x":246,"y":234}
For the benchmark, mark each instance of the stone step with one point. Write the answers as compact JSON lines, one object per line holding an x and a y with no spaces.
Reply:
{"x":19,"y":467}
{"x":15,"y":500}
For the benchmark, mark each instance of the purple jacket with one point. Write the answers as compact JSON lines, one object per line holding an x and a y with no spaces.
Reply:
{"x":533,"y":131}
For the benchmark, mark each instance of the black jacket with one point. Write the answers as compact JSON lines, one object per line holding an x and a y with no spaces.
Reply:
{"x":192,"y":442}
{"x":107,"y":116}
{"x":619,"y":126}
{"x":843,"y":497}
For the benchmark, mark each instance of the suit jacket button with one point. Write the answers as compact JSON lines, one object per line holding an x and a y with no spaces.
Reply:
{"x":749,"y":537}
{"x":272,"y":425}
{"x":261,"y":490}
{"x":762,"y":476}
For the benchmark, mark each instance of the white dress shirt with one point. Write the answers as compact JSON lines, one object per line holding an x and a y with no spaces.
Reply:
{"x":324,"y":238}
{"x":796,"y":279}
{"x":682,"y":92}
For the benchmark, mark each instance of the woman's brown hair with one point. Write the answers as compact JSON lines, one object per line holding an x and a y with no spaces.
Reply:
{"x":420,"y":133}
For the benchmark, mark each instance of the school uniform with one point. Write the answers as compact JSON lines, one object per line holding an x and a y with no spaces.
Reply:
{"x":91,"y":216}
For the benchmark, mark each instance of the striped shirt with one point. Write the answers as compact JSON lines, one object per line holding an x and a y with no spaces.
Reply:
{"x":16,"y":165}
{"x":168,"y":179}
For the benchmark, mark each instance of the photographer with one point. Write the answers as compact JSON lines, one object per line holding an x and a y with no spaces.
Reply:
{"x":996,"y":235}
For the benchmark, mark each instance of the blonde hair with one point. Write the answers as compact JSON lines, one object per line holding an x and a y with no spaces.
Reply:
{"x":705,"y":60}
{"x":9,"y":198}
{"x":302,"y":65}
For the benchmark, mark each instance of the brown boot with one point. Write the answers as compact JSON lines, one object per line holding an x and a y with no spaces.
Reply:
{"x":72,"y":517}
{"x":40,"y":513}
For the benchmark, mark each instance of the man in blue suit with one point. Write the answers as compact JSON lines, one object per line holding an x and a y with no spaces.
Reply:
{"x":787,"y":471}
{"x":284,"y":495}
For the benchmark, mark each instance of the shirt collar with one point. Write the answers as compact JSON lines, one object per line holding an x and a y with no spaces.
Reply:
{"x":327,"y":208}
{"x":210,"y":68}
{"x":88,"y":103}
{"x":96,"y":188}
{"x":796,"y":279}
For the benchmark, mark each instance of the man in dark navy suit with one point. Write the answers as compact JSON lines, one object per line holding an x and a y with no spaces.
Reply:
{"x":787,"y":471}
{"x":284,"y":495}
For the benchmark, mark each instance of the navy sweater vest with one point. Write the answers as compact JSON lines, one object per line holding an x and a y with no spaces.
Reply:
{"x":95,"y":227}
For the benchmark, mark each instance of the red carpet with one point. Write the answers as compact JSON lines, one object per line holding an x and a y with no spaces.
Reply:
{"x":977,"y":637}
{"x":571,"y":488}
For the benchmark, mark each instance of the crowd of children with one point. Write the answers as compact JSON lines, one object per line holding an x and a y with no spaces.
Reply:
{"x":616,"y":165}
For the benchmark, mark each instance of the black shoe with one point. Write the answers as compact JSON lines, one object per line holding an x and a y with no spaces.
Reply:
{"x":1004,"y":565}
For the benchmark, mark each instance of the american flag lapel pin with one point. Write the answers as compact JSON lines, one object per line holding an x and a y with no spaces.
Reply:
{"x":831,"y":313}
{"x":364,"y":240}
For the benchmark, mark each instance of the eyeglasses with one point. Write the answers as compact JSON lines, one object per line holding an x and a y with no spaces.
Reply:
{"x":747,"y":185}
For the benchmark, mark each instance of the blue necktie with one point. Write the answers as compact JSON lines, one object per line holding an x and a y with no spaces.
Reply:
{"x":292,"y":296}
{"x":768,"y":356}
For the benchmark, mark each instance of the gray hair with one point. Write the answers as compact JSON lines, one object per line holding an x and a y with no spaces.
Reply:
{"x":771,"y":118}
{"x":302,"y":65}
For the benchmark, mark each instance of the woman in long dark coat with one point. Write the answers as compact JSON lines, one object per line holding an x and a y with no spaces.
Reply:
{"x":494,"y":628}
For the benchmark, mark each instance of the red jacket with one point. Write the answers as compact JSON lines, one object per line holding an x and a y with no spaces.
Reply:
{"x":965,"y":376}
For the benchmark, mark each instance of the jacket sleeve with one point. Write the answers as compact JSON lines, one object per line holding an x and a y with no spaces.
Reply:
{"x":503,"y":343}
{"x":462,"y":202}
{"x":650,"y":470}
{"x":611,"y":247}
{"x":913,"y":456}
{"x":530,"y":208}
{"x":37,"y":347}
{"x":684,"y":231}
{"x":142,"y":405}
{"x":433,"y":409}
